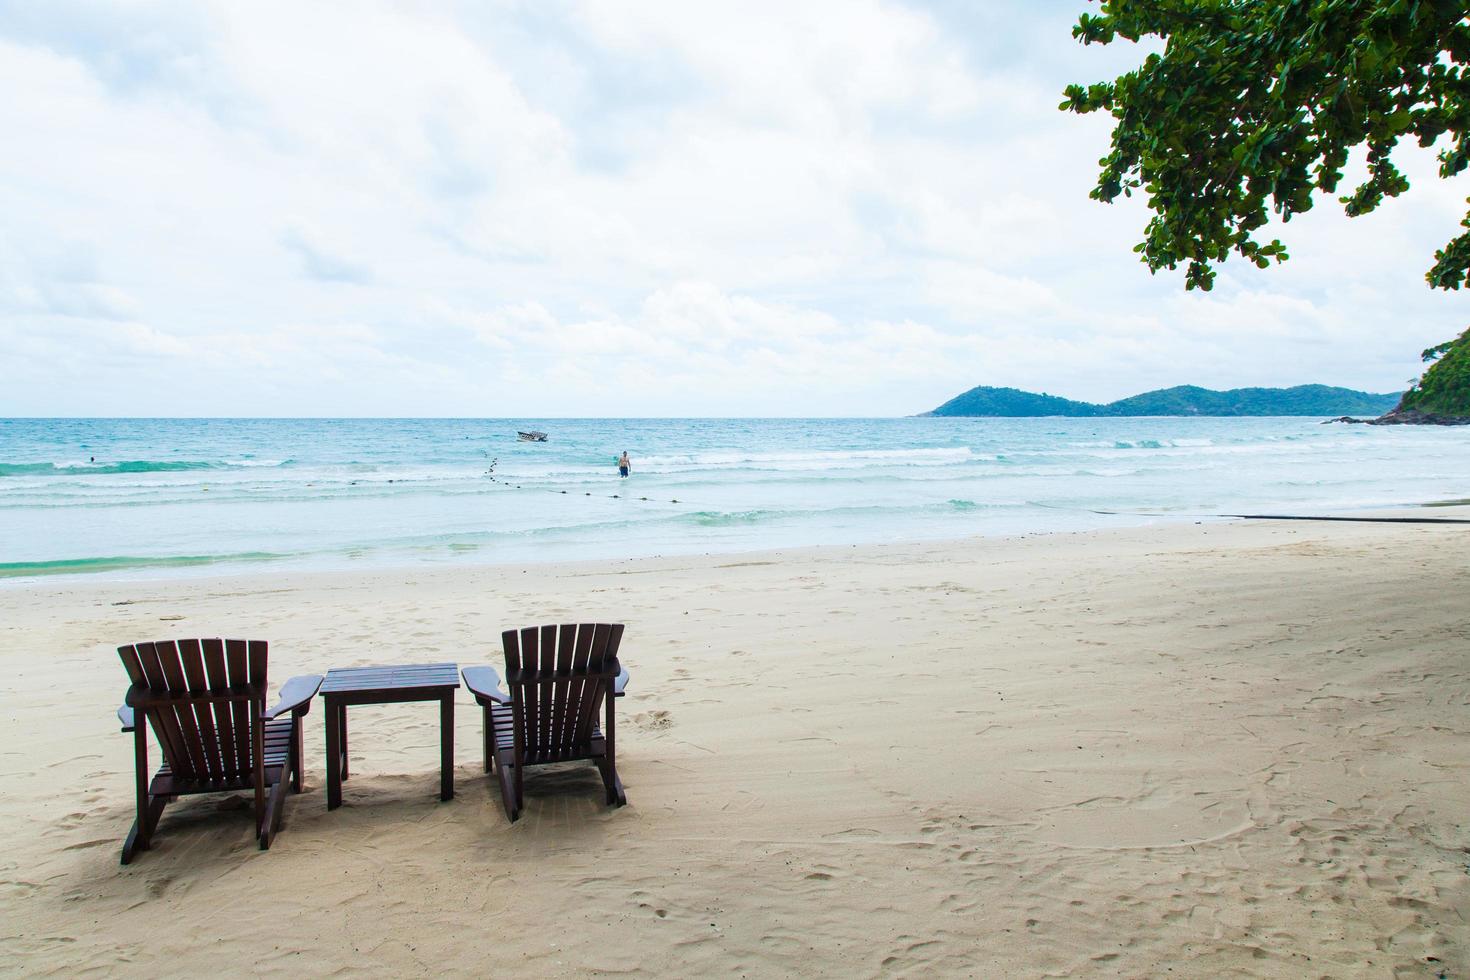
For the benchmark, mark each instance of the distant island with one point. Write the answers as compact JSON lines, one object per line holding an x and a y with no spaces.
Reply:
{"x":990,"y":402}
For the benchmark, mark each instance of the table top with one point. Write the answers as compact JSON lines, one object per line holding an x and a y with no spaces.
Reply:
{"x":344,"y":679}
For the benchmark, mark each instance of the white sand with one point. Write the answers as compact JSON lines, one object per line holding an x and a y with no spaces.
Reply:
{"x":1220,"y":749}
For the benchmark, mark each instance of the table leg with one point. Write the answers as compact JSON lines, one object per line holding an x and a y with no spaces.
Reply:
{"x":446,"y":747}
{"x":342,"y":716}
{"x":334,"y":755}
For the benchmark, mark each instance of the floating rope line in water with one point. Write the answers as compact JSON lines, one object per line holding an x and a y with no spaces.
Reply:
{"x":1360,"y":520}
{"x":567,"y":493}
{"x":1260,"y":517}
{"x":490,"y":473}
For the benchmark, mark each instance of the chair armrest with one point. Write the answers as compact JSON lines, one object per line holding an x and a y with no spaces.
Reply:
{"x":296,"y":694}
{"x":484,"y":684}
{"x":620,"y":682}
{"x":125,"y":715}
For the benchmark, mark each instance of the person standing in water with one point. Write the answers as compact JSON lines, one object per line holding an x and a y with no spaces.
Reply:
{"x":623,"y":464}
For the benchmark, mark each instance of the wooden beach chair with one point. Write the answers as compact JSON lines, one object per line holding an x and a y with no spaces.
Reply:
{"x":206,"y":702}
{"x":559,"y":678}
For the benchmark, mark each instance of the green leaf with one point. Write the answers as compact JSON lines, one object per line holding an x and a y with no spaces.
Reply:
{"x":1253,"y":106}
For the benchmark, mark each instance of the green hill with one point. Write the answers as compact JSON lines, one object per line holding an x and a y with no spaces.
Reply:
{"x":1011,"y":403}
{"x":1444,"y":391}
{"x":1181,"y":400}
{"x":1300,"y":400}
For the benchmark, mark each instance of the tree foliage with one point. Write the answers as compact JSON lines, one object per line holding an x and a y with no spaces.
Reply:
{"x":1445,"y":388}
{"x":1254,"y":106}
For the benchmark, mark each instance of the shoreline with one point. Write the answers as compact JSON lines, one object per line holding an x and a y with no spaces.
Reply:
{"x":1232,"y":747}
{"x":193,"y":569}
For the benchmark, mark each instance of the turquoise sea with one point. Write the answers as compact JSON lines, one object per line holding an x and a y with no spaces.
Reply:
{"x":149,"y":497}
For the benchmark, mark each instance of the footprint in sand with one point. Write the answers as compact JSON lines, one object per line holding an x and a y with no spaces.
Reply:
{"x":653,"y":721}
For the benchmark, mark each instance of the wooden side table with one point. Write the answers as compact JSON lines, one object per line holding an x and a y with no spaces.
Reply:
{"x":388,"y":685}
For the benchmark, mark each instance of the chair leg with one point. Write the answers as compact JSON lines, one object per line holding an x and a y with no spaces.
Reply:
{"x":507,"y":773}
{"x":270,"y":823}
{"x":257,"y":753}
{"x":487,"y":732}
{"x":297,"y":749}
{"x":508,"y":797}
{"x":140,"y":838}
{"x":137,"y":839}
{"x":611,"y":784}
{"x":130,"y":846}
{"x":608,"y":764}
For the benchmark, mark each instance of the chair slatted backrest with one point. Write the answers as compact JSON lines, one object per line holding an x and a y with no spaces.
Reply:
{"x":208,"y":740}
{"x":558,"y":677}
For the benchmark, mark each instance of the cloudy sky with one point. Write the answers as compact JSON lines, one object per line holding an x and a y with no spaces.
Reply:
{"x":832,"y":207}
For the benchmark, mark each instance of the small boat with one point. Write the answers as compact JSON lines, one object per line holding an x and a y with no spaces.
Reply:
{"x":532,"y":436}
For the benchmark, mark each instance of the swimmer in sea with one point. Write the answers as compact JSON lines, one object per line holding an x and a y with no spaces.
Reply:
{"x":623,"y":464}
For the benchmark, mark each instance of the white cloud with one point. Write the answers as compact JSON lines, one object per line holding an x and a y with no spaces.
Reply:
{"x":320,"y":262}
{"x":647,"y":208}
